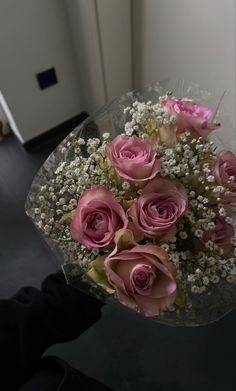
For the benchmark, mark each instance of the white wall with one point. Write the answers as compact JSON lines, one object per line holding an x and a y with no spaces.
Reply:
{"x":191,"y":39}
{"x":84,"y":32}
{"x":34,"y":37}
{"x":87,"y":41}
{"x":101,"y":34}
{"x":114,"y":18}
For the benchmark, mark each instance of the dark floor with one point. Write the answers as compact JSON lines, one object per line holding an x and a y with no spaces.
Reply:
{"x":24,"y":256}
{"x":123,"y":350}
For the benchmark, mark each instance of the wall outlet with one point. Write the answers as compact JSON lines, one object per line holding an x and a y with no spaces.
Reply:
{"x":47,"y":78}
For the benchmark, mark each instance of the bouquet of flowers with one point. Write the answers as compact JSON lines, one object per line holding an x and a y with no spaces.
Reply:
{"x":140,"y":205}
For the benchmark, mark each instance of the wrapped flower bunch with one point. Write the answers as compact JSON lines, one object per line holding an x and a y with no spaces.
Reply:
{"x":146,"y":216}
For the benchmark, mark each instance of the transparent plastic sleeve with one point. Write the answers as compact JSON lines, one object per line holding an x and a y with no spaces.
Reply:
{"x":42,"y":208}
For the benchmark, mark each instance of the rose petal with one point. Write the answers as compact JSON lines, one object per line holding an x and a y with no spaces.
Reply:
{"x":133,"y":158}
{"x":98,"y":216}
{"x":151,"y":307}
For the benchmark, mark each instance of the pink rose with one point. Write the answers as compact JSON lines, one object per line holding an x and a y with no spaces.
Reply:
{"x":224,"y":171}
{"x":133,"y":158}
{"x":143,"y":277}
{"x":190,"y":116}
{"x":221,"y":235}
{"x":158,"y":209}
{"x":98,"y":216}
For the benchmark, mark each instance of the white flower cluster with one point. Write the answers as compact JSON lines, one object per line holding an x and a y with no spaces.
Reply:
{"x":57,"y":199}
{"x":141,"y":112}
{"x":188,"y":162}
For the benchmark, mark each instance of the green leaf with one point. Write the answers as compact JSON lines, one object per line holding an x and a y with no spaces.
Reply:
{"x":98,"y":275}
{"x":180,"y":298}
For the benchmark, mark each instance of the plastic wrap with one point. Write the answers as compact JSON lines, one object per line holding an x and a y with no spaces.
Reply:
{"x":205,"y":308}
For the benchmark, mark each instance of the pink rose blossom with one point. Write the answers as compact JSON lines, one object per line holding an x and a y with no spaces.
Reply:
{"x":98,"y":216}
{"x":143,"y":277}
{"x":158,"y":209}
{"x":190,"y":116}
{"x":133,"y":158}
{"x":221,"y":235}
{"x":224,"y":171}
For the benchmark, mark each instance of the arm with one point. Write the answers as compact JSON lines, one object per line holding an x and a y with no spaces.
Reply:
{"x":33,"y":320}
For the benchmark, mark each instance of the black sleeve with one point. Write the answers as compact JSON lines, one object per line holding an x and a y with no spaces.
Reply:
{"x":33,"y":320}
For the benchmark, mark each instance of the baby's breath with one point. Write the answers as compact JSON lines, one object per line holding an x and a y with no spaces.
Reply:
{"x":188,"y":162}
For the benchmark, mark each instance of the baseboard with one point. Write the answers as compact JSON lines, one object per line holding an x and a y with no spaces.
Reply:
{"x":56,"y":134}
